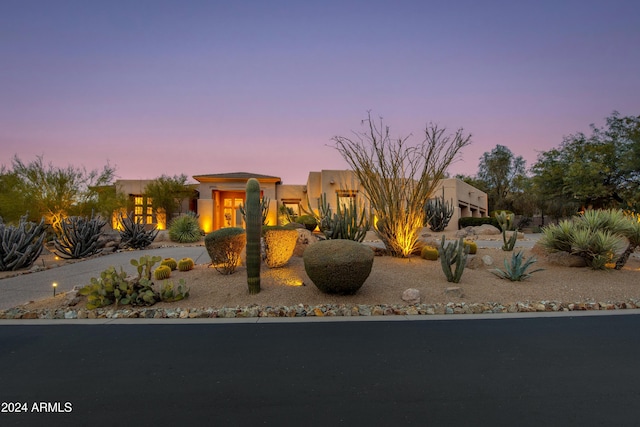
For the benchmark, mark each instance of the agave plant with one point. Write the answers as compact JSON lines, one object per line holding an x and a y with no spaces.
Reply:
{"x":516,"y":271}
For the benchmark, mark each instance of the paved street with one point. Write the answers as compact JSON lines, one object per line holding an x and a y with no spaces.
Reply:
{"x":565,"y":371}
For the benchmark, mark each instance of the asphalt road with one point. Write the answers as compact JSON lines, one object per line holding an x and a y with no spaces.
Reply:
{"x":548,"y":371}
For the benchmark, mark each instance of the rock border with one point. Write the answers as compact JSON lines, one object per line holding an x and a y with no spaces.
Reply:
{"x":323,"y":310}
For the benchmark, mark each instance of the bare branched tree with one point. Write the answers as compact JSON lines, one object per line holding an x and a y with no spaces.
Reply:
{"x":399,"y":178}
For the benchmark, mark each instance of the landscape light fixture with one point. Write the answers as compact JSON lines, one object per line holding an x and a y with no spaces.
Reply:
{"x":55,"y":285}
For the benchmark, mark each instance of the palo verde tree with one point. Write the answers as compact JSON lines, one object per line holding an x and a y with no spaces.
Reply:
{"x":399,"y":178}
{"x":167,"y":193}
{"x":55,"y":192}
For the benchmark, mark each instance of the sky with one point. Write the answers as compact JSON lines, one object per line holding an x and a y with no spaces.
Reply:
{"x":198,"y":87}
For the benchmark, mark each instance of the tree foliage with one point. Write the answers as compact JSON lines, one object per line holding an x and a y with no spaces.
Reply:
{"x":167,"y":193}
{"x":501,"y":172}
{"x":601,"y":170}
{"x":399,"y":178}
{"x":55,"y":193}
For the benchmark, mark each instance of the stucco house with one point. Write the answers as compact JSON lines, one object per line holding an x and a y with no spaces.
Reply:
{"x":220,"y":195}
{"x":217,"y":197}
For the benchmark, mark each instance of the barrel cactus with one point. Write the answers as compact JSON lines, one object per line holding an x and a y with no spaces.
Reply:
{"x":473,"y":246}
{"x":254,"y":231}
{"x":169,"y":262}
{"x":185,"y":264}
{"x":162,"y":272}
{"x":338,"y":266}
{"x":279,"y":244}
{"x":224,"y":247}
{"x":429,"y":253}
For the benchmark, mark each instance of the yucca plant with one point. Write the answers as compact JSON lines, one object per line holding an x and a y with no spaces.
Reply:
{"x":557,"y":237}
{"x":185,"y":229}
{"x":516,"y":270}
{"x":597,"y":247}
{"x":633,"y":235}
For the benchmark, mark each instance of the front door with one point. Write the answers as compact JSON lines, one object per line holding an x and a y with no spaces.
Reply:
{"x":230,"y":206}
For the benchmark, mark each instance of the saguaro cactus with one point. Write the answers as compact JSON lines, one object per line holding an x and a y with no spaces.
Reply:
{"x":254,"y":231}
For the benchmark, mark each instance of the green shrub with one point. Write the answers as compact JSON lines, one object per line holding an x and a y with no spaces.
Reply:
{"x":169,"y":262}
{"x":474,"y":222}
{"x":162,"y":272}
{"x":516,"y":270}
{"x":224,"y":247}
{"x":338,"y":266}
{"x":185,"y":229}
{"x":185,"y":264}
{"x":308,"y":221}
{"x":279,"y":245}
{"x":429,"y":253}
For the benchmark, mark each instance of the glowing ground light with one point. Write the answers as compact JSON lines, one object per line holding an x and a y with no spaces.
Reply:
{"x":54,"y":285}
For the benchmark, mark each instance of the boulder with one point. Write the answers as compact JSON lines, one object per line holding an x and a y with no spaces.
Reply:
{"x":305,"y":238}
{"x":565,"y":259}
{"x":454,"y":291}
{"x":411,"y":296}
{"x":486,"y":230}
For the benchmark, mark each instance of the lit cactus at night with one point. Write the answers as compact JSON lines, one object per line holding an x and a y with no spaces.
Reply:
{"x":254,"y":232}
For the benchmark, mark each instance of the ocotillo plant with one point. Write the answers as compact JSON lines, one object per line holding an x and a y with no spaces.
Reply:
{"x":254,"y":232}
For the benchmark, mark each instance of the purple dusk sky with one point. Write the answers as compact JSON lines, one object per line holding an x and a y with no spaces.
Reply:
{"x":168,"y":87}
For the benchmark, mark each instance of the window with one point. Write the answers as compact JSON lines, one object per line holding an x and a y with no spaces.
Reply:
{"x":346,"y":197}
{"x":142,"y":209}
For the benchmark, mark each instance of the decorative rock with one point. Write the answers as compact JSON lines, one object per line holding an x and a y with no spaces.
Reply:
{"x":474,"y":262}
{"x":454,"y":291}
{"x":487,"y":260}
{"x":411,"y":296}
{"x":486,"y":229}
{"x":305,"y":239}
{"x":566,"y":259}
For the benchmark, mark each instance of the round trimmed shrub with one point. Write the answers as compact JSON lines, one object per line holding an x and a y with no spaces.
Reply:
{"x":430,"y":253}
{"x":473,"y":246}
{"x":224,"y":247}
{"x":185,"y":264}
{"x":185,"y":229}
{"x":308,"y":221}
{"x":162,"y":272}
{"x":338,"y":266}
{"x":169,"y":262}
{"x":279,"y":244}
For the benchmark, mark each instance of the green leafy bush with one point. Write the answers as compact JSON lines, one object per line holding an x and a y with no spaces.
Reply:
{"x":516,"y":271}
{"x":224,"y":247}
{"x":185,"y":229}
{"x":308,"y":221}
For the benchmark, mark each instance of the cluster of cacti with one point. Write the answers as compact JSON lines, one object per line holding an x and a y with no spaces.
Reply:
{"x":79,"y":237}
{"x":224,"y":247}
{"x":505,"y":221}
{"x":134,"y":234}
{"x":144,"y":265}
{"x":254,"y":233}
{"x":473,"y":246}
{"x":162,"y":272}
{"x":185,"y":264}
{"x":347,"y":223}
{"x":438,"y":213}
{"x":429,"y":253}
{"x":170,"y":294}
{"x":185,"y":229}
{"x":20,"y":245}
{"x":264,"y":210}
{"x":453,"y":253}
{"x":516,"y":270}
{"x":169,"y":262}
{"x":115,"y":287}
{"x":279,"y":244}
